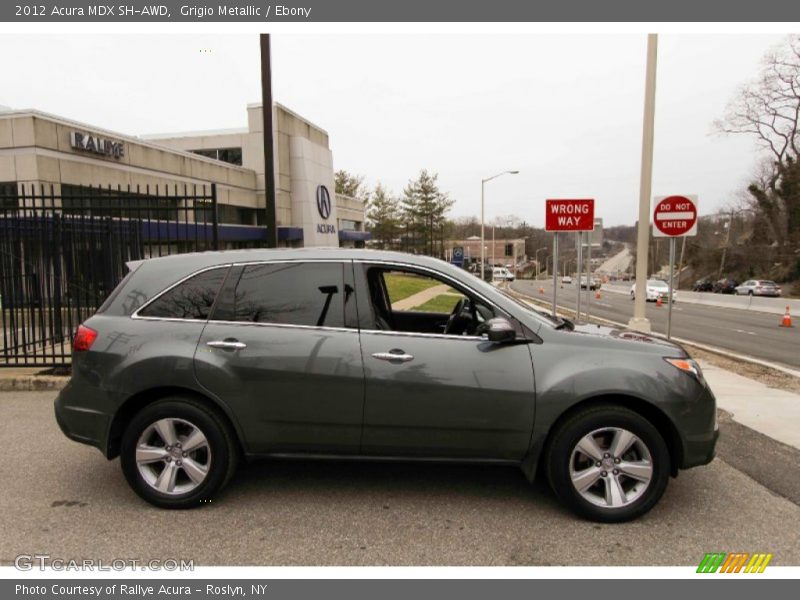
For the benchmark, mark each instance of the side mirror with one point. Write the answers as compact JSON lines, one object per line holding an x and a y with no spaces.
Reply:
{"x":499,"y":330}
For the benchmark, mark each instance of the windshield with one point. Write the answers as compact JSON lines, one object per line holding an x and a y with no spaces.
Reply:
{"x":657,"y":283}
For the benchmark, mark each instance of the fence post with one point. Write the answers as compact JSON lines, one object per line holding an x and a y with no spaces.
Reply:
{"x":214,"y":217}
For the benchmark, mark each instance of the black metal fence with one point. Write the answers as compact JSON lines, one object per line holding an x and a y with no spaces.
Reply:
{"x":62,"y":254}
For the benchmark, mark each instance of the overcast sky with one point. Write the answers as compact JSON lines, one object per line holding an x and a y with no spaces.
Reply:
{"x":565,"y":110}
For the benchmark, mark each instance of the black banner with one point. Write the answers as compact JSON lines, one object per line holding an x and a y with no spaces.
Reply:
{"x":331,"y":11}
{"x":730,"y":587}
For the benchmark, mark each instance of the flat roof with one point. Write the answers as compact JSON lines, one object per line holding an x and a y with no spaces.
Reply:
{"x":32,"y":112}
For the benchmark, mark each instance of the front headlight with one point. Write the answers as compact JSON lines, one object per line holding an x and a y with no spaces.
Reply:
{"x":688,"y":366}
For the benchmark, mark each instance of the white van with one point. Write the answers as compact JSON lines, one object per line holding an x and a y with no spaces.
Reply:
{"x":502,"y":274}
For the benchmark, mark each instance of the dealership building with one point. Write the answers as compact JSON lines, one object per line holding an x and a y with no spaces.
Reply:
{"x":69,"y":157}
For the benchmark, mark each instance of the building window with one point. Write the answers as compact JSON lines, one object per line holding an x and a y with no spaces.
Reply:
{"x":109,"y":202}
{"x":509,"y":249}
{"x":9,"y":198}
{"x":228,"y":155}
{"x":348,"y":225}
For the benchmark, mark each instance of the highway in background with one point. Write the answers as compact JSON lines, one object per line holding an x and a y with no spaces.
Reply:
{"x":745,"y":332}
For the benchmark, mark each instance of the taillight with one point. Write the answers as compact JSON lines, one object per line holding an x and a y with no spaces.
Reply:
{"x":84,"y":338}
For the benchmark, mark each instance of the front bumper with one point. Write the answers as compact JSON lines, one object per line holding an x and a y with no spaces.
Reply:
{"x":700,"y":450}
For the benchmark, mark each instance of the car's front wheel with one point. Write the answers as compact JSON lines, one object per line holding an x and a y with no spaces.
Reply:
{"x":178,"y":453}
{"x":608,"y":463}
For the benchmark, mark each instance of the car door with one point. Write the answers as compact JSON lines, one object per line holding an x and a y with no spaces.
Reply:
{"x":282,"y":350}
{"x":435,"y":394}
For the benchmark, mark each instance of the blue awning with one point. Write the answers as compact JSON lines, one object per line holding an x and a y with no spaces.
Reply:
{"x":355,"y":236}
{"x":290,"y":234}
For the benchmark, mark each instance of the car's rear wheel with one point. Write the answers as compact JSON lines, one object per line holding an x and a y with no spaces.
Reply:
{"x":178,"y":453}
{"x":608,"y":463}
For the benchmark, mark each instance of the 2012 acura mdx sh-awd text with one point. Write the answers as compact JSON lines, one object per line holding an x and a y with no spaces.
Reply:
{"x":196,"y":361}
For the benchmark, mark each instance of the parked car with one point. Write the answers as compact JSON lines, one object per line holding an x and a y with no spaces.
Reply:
{"x":655,"y":289}
{"x":725,"y":286}
{"x":758,"y":287}
{"x":566,"y":279}
{"x":502,"y":274}
{"x":593,"y":284}
{"x":224,"y":356}
{"x":703,"y":285}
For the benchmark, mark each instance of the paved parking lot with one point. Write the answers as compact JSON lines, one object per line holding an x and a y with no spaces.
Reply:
{"x":66,"y":500}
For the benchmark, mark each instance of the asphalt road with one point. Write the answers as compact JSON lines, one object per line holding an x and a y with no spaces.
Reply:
{"x":744,"y":332}
{"x":64,"y":499}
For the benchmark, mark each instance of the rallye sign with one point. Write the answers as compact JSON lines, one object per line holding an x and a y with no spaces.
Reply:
{"x":88,"y":142}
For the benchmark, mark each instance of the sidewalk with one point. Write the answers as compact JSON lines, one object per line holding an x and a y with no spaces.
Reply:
{"x":421,"y":298}
{"x":770,"y":411}
{"x":774,"y":306}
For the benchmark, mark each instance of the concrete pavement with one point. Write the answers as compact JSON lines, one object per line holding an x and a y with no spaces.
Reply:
{"x":64,"y":499}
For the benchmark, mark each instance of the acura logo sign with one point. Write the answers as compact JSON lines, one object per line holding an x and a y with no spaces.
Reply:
{"x":323,"y":202}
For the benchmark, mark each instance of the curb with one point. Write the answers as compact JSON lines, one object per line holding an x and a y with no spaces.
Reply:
{"x":32,"y":383}
{"x":701,"y":346}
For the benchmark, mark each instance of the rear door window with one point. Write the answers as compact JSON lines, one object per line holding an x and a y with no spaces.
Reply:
{"x":191,"y":299}
{"x":310,"y":294}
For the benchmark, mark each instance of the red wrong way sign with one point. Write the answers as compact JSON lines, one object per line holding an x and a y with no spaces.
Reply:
{"x":569,"y":215}
{"x":675,"y":216}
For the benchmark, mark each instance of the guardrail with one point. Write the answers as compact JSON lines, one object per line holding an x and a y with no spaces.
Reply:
{"x":776,"y":306}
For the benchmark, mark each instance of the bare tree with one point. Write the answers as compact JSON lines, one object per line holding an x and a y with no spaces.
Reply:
{"x":769,"y":109}
{"x":769,"y":106}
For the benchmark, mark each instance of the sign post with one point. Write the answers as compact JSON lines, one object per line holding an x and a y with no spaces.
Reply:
{"x":568,"y":215}
{"x":674,"y":217}
{"x":555,"y":270}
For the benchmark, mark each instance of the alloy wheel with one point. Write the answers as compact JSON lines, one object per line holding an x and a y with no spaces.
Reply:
{"x":173,"y":456}
{"x":611,"y":467}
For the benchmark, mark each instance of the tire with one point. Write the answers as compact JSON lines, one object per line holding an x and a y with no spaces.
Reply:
{"x":213,"y":457}
{"x":611,"y":498}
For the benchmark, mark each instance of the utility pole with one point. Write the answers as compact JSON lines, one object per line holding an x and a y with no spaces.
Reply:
{"x":269,"y":154}
{"x":725,"y":247}
{"x":639,"y":321}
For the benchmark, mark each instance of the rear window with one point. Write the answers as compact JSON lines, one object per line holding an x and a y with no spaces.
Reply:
{"x":192,"y":299}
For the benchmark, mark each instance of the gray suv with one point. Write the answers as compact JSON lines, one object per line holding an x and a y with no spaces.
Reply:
{"x":197,"y":361}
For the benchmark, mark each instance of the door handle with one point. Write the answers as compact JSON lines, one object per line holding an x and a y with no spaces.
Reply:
{"x":227,"y":344}
{"x":393,"y":356}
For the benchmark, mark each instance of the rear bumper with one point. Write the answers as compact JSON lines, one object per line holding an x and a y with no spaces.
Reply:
{"x":81,"y":423}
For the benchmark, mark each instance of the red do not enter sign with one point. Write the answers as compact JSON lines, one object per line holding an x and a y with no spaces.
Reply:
{"x":675,"y":216}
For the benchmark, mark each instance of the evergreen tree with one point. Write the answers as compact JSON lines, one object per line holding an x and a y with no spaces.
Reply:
{"x":424,"y":208}
{"x":383,"y":217}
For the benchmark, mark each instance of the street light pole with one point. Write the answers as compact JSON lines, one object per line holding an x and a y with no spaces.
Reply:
{"x":640,"y":321}
{"x":483,"y":239}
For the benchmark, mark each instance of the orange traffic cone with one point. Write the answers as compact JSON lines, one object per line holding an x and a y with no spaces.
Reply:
{"x":659,"y":302}
{"x":787,"y":319}
{"x":597,"y":295}
{"x":541,"y":289}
